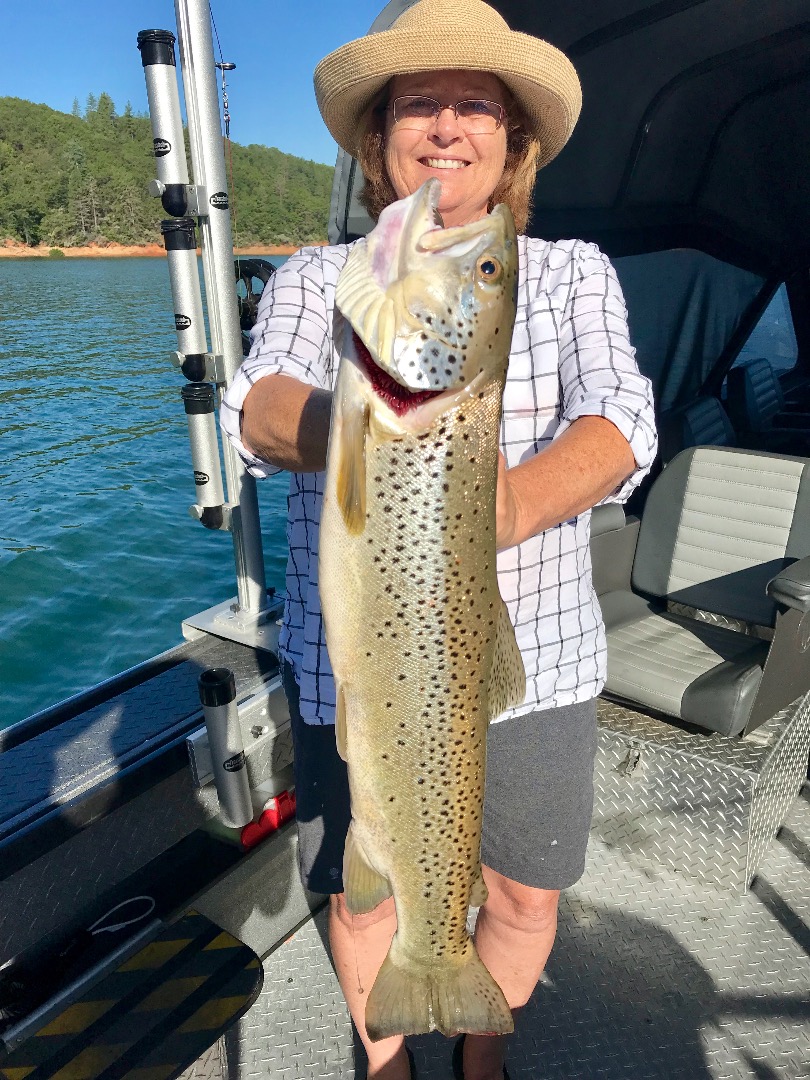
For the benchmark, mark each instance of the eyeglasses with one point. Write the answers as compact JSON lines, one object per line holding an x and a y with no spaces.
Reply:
{"x":476,"y":116}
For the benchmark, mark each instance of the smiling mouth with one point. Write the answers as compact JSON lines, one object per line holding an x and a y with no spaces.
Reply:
{"x":444,"y":163}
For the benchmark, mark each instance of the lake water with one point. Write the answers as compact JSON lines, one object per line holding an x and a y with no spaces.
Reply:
{"x":99,"y":559}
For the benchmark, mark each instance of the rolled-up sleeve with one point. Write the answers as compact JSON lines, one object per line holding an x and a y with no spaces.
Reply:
{"x":292,"y":336}
{"x":598,"y":371}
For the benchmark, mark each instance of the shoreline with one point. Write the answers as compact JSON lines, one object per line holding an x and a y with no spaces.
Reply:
{"x":9,"y":250}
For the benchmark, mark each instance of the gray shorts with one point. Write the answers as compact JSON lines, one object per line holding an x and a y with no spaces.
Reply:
{"x":537,"y":808}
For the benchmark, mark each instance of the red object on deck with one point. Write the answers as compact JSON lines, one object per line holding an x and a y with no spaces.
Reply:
{"x":279,"y":809}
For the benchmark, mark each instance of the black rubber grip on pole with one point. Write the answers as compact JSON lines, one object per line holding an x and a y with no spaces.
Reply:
{"x":217,"y":686}
{"x":178,"y":233}
{"x":193,"y":367}
{"x":174,"y":200}
{"x":198,"y":398}
{"x":157,"y":47}
{"x":212,"y":517}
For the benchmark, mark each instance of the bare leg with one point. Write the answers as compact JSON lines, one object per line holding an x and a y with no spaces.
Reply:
{"x":514,"y":935}
{"x":359,"y":945}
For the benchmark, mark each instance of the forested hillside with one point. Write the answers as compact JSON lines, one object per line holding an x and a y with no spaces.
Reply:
{"x":68,"y":180}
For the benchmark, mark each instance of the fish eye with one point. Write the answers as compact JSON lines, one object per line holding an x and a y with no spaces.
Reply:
{"x":490,"y":269}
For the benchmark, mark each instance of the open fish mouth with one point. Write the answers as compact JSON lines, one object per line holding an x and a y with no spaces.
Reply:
{"x":399,"y":398}
{"x":411,"y":292}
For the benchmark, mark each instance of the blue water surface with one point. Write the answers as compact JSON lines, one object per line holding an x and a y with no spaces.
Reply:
{"x":99,"y":559}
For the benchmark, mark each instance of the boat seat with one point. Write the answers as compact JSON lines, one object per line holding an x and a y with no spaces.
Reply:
{"x":705,"y":423}
{"x":756,"y":406}
{"x":710,"y":627}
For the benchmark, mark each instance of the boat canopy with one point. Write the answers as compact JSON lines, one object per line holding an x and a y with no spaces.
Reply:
{"x":692,"y":133}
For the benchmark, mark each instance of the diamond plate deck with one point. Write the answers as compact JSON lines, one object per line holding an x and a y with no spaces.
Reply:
{"x":655,"y":976}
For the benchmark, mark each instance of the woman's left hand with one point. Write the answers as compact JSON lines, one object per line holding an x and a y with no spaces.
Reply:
{"x":506,"y":511}
{"x":573,"y":473}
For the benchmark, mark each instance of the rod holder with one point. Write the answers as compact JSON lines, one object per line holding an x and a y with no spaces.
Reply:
{"x":162,"y":92}
{"x":199,"y":403}
{"x":217,"y":688}
{"x":179,"y":239}
{"x":206,"y":198}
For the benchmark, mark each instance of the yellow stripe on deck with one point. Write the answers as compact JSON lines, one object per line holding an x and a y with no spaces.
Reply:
{"x":90,"y":1062}
{"x":171,"y":993}
{"x":155,"y":955}
{"x":17,"y":1072}
{"x":77,"y":1017}
{"x":223,"y":941}
{"x":213,"y":1014}
{"x":152,"y":1072}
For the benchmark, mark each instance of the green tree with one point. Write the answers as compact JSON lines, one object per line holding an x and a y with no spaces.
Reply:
{"x":67,"y":179}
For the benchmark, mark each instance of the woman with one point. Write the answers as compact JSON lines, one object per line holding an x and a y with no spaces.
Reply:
{"x":451,"y":92}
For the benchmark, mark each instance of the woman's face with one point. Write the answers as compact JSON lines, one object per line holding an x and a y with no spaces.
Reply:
{"x":468,"y":166}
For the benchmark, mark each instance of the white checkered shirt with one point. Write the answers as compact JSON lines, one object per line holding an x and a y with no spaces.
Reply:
{"x":570,"y":357}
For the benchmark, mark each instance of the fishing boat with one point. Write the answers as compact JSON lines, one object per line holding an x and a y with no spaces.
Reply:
{"x":153,"y":923}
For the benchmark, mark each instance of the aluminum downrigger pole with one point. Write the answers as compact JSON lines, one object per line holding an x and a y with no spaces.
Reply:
{"x":207,"y":201}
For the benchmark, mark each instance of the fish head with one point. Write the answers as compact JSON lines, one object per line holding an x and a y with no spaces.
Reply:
{"x":429,"y":303}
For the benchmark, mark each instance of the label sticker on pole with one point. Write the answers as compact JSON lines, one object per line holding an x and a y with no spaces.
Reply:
{"x":219,"y":200}
{"x":162,"y":147}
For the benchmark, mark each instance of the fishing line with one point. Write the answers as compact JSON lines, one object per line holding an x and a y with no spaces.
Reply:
{"x":224,"y":66}
{"x":360,"y":989}
{"x":97,"y":928}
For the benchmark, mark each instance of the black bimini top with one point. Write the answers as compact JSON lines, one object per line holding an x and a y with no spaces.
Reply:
{"x":693,"y":131}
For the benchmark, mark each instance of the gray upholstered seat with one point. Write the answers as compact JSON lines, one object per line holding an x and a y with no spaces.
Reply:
{"x":686,"y":638}
{"x":705,"y":423}
{"x":756,"y":407}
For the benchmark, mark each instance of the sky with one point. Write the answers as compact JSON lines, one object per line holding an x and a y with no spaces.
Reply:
{"x":60,"y":50}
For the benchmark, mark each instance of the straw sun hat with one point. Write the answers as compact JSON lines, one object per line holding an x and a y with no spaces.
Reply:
{"x":435,"y":35}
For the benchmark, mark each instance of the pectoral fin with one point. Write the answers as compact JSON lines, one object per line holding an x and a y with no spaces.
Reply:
{"x":365,"y":888}
{"x":351,"y":464}
{"x":507,"y":679}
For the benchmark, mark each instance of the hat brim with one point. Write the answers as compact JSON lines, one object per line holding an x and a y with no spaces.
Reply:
{"x":540,"y":77}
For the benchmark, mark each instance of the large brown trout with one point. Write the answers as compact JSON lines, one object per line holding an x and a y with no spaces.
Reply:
{"x":420,"y":641}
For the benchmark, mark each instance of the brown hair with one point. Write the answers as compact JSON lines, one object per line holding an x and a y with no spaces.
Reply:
{"x":515,"y":186}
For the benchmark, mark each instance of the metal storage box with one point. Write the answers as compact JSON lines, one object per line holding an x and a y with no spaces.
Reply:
{"x":702,"y":804}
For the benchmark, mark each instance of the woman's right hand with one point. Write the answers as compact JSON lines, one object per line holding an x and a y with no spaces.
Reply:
{"x":285,"y":422}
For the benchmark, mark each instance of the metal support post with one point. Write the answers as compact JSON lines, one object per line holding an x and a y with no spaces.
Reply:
{"x":208,"y":163}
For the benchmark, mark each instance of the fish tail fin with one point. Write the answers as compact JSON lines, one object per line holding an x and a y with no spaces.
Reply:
{"x":404,"y":1001}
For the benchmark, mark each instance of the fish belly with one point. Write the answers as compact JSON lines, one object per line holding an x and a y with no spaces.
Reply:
{"x":411,"y":605}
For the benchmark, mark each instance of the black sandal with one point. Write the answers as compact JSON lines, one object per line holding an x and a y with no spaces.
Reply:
{"x":458,"y":1061}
